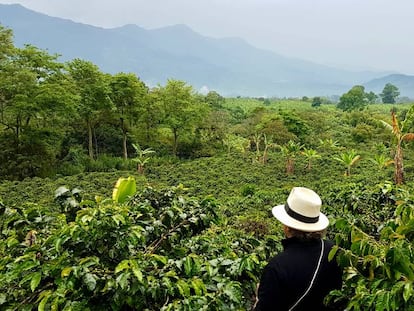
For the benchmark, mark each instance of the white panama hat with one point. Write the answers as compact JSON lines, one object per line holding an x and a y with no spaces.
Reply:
{"x":302,"y":211}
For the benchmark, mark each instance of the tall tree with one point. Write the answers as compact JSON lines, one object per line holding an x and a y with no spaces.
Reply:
{"x":93,"y":91}
{"x":401,"y":132}
{"x":180,"y":111}
{"x":6,"y":43}
{"x":128,"y":93}
{"x":389,"y":94}
{"x":34,"y":95}
{"x":371,"y":97}
{"x":214,"y":100}
{"x":354,"y":99}
{"x":25,"y":77}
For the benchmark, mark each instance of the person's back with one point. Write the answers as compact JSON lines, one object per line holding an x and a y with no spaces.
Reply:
{"x":301,"y":276}
{"x":294,"y":269}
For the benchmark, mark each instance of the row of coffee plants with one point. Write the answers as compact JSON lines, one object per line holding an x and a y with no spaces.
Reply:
{"x":371,"y":225}
{"x":161,"y":250}
{"x":374,"y":232}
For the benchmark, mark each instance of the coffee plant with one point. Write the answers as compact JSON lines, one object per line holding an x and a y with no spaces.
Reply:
{"x":159,"y":250}
{"x":378,"y":264}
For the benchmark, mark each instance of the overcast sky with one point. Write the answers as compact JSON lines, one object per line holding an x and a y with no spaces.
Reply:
{"x":349,"y":34}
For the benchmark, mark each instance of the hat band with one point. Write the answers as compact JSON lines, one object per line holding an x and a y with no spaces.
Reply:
{"x":305,"y":219}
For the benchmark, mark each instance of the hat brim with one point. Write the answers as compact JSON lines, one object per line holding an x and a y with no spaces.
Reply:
{"x":280,"y":213}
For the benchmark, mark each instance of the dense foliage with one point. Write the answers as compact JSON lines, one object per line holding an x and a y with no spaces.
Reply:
{"x":160,"y":251}
{"x":72,"y":129}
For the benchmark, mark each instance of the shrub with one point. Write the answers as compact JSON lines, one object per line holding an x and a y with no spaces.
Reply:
{"x":160,"y":251}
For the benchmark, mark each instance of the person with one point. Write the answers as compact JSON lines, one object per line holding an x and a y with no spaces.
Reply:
{"x":301,"y":276}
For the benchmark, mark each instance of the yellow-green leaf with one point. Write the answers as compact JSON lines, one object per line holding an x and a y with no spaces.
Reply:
{"x":65,"y":272}
{"x":124,"y":264}
{"x":35,"y":280}
{"x":408,"y":291}
{"x":45,"y":297}
{"x":183,"y":288}
{"x":118,"y":219}
{"x":124,"y":188}
{"x":198,"y":286}
{"x":135,"y":270}
{"x":332,"y":253}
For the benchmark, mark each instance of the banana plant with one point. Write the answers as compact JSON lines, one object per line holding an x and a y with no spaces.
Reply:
{"x":124,"y":188}
{"x":310,"y":155}
{"x":349,"y":159}
{"x":290,"y":151}
{"x":401,"y":133}
{"x":142,"y":157}
{"x":381,"y":161}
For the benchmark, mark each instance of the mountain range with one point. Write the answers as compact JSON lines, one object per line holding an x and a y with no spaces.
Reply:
{"x":230,"y":66}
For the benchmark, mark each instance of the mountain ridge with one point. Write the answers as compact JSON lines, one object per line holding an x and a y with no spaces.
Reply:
{"x":230,"y":66}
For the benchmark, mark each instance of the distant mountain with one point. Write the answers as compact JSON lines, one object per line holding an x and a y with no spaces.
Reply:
{"x":230,"y":66}
{"x":405,"y":84}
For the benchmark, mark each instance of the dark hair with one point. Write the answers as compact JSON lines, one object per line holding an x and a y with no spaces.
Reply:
{"x":306,"y":236}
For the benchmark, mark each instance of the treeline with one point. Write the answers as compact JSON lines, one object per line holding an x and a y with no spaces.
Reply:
{"x":70,"y":117}
{"x":52,"y":112}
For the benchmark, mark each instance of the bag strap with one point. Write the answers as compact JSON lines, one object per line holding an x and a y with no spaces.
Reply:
{"x":313,"y":278}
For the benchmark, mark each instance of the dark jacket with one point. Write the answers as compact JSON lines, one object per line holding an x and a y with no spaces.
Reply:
{"x":288,"y":275}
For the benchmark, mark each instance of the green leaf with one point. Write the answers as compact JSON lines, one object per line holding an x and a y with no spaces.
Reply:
{"x":122,"y":280}
{"x":183,"y":288}
{"x":3,"y":299}
{"x":188,"y":263}
{"x":332,"y":253}
{"x":198,"y":286}
{"x":35,"y":280}
{"x":408,"y":291}
{"x":124,"y":264}
{"x":118,"y":219}
{"x":44,"y":296}
{"x":58,"y":244}
{"x":232,"y":290}
{"x":90,"y":281}
{"x":136,"y":271}
{"x":160,"y":258}
{"x":66,"y":272}
{"x":124,"y":188}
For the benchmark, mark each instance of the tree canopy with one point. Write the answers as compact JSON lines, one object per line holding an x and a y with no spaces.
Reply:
{"x":389,"y":94}
{"x":354,"y":99}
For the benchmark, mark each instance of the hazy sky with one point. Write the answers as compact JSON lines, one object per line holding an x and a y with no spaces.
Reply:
{"x":350,"y":34}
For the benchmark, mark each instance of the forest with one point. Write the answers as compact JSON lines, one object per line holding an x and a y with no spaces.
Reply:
{"x":115,"y":195}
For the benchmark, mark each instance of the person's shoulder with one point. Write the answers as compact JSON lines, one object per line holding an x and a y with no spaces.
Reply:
{"x":275,"y":260}
{"x":329,"y":243}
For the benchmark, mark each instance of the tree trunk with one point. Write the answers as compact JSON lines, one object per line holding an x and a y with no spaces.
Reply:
{"x":290,"y":166}
{"x":264,"y":160}
{"x":90,"y":139}
{"x":399,"y":168}
{"x":124,"y":144}
{"x":124,"y":140}
{"x":175,"y":142}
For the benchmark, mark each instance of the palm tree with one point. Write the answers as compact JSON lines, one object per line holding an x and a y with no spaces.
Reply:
{"x":310,"y":154}
{"x":349,"y":159}
{"x":141,"y":157}
{"x":290,"y":150}
{"x":401,"y":133}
